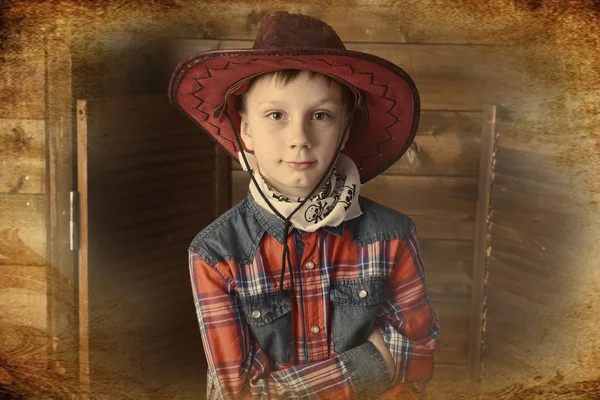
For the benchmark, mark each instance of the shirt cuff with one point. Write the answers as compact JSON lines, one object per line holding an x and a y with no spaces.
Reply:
{"x":367,"y":367}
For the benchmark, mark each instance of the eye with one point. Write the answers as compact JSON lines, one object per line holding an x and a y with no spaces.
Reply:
{"x":321,"y":116}
{"x":275,"y":115}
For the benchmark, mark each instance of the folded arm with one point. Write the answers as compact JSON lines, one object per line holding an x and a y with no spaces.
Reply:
{"x":407,"y":322}
{"x":239,"y":369}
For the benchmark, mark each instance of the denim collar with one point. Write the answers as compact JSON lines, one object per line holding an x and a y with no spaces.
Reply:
{"x":274,"y":226}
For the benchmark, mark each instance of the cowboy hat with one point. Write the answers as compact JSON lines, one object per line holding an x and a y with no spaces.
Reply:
{"x":386,"y":101}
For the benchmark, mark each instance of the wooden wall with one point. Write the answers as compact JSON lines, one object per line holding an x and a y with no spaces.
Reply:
{"x":23,"y":209}
{"x":455,"y":74}
{"x":533,"y":281}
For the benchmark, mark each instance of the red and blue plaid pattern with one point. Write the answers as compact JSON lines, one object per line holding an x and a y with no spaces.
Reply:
{"x":238,"y":368}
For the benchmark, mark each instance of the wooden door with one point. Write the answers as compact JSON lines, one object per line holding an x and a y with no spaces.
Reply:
{"x":147,"y":183}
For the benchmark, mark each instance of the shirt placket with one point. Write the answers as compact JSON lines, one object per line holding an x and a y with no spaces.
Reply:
{"x":315,"y":325}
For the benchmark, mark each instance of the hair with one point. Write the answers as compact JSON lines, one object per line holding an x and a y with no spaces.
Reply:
{"x":285,"y":76}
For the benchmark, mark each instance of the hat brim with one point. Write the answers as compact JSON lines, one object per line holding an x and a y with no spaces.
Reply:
{"x":199,"y":85}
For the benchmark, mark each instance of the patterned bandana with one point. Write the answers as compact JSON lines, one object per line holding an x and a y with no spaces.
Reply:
{"x":335,"y":203}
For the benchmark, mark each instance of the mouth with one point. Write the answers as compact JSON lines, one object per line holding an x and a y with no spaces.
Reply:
{"x":300,"y":166}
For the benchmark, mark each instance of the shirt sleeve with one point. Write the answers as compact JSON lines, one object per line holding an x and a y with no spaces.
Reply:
{"x":407,"y":322}
{"x":239,"y":369}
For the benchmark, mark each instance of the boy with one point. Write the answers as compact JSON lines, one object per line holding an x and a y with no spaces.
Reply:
{"x":304,"y":289}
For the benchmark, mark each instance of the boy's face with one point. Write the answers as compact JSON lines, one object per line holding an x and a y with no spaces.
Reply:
{"x":293,"y":130}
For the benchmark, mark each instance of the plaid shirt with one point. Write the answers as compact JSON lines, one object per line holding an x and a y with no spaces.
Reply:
{"x":238,"y":257}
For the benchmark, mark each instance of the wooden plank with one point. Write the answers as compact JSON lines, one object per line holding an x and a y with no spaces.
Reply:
{"x":131,"y":217}
{"x":441,"y":207}
{"x":525,"y":282}
{"x":448,"y":266}
{"x":540,"y":245}
{"x":22,"y":81}
{"x":530,"y":165}
{"x":158,"y":106}
{"x":510,"y":319}
{"x":461,"y":299}
{"x":62,"y":298}
{"x":538,"y":223}
{"x":83,"y":241}
{"x":23,"y":162}
{"x":124,"y":161}
{"x":417,"y":195}
{"x":544,"y":196}
{"x":532,"y":249}
{"x":23,"y":312}
{"x":157,"y":246}
{"x":481,"y":242}
{"x":517,"y":307}
{"x":453,"y":340}
{"x":194,"y":169}
{"x":23,"y":225}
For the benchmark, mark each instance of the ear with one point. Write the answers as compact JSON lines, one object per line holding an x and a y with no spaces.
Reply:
{"x":245,"y":132}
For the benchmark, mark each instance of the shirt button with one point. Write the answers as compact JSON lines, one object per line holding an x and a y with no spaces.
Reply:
{"x":309,"y":265}
{"x":315,"y":329}
{"x":256,"y":314}
{"x":362,"y":294}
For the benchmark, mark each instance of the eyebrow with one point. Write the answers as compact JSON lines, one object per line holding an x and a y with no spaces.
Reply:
{"x":280,"y":103}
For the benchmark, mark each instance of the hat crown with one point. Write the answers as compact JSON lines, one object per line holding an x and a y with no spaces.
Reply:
{"x":283,"y":30}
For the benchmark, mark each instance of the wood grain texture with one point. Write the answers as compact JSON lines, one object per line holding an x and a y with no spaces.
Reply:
{"x":421,"y":194}
{"x":448,"y":266}
{"x":484,"y":193}
{"x":23,"y":161}
{"x":23,"y":235}
{"x":453,"y":340}
{"x":545,"y":196}
{"x":151,"y":180}
{"x":530,"y":165}
{"x":23,"y":320}
{"x":83,"y":247}
{"x":62,"y":308}
{"x":511,"y":240}
{"x":527,"y":282}
{"x":23,"y":81}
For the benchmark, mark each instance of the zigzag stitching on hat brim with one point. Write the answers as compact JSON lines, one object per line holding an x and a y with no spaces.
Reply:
{"x":372,"y":82}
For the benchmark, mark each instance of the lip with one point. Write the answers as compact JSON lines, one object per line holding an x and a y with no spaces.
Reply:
{"x":300,"y":166}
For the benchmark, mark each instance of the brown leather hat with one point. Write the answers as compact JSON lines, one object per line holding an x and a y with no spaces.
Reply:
{"x":205,"y":85}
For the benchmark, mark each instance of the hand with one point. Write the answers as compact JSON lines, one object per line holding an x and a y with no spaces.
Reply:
{"x":377,"y":340}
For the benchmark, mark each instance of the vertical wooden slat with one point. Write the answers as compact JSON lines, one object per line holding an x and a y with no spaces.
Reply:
{"x":480,"y":248}
{"x":83,"y":295}
{"x":61,"y":273}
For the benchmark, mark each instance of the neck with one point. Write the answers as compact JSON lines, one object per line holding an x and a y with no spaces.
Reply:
{"x":295,"y":192}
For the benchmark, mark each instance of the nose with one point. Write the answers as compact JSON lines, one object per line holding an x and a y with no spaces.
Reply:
{"x":299,"y":135}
